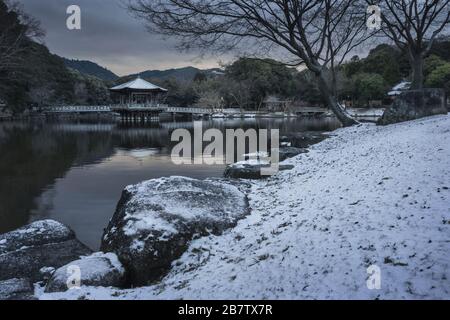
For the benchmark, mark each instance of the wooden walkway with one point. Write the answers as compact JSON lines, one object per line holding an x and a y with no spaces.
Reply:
{"x":144,"y":113}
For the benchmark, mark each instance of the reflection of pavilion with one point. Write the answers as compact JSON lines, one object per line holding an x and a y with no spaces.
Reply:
{"x":138,"y":100}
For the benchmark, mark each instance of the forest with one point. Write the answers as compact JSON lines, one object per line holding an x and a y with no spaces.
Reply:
{"x":31,"y":76}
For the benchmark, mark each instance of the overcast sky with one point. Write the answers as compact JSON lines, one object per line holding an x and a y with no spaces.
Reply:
{"x":109,"y":36}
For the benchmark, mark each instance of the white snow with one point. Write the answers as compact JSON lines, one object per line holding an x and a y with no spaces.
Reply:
{"x":256,"y":155}
{"x":251,"y":163}
{"x":147,"y":220}
{"x":111,"y":257}
{"x":47,"y":270}
{"x":164,"y":194}
{"x":366,"y":196}
{"x":402,"y":86}
{"x":41,"y":226}
{"x":93,"y":267}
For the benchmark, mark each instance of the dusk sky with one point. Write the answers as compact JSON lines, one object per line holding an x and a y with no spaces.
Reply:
{"x":109,"y":36}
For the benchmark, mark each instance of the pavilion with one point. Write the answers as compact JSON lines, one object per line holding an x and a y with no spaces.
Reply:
{"x":138,"y":93}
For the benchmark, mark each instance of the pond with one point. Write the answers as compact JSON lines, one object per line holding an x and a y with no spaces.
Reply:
{"x":75,"y":172}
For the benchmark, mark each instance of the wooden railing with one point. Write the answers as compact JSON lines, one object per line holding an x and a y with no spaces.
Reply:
{"x":190,"y":110}
{"x":76,"y":109}
{"x":139,"y":106}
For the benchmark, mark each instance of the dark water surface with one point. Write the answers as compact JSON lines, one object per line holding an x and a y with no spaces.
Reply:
{"x":75,"y":173}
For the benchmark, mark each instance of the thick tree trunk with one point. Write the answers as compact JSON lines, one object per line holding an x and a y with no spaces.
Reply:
{"x":332,"y":102}
{"x":417,"y":64}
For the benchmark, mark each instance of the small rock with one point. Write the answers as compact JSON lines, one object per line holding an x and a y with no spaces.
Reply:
{"x":97,"y":270}
{"x":47,"y":273}
{"x":251,"y":170}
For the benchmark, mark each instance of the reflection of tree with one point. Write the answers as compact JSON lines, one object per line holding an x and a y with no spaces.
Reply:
{"x":32,"y":158}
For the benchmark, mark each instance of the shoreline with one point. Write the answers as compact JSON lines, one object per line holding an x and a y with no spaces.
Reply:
{"x":359,"y":198}
{"x":356,"y":112}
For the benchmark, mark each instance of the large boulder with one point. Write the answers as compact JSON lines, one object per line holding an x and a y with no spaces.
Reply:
{"x":24,"y":252}
{"x":96,"y":270}
{"x":16,"y":289}
{"x":155,"y":221}
{"x":415,"y":104}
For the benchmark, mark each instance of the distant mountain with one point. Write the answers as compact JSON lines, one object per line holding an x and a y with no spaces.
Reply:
{"x":181,"y":74}
{"x":91,"y":68}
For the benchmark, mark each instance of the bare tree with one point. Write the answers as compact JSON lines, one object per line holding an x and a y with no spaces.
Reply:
{"x":16,"y":28}
{"x":414,"y":25}
{"x":208,"y":95}
{"x":318,"y":34}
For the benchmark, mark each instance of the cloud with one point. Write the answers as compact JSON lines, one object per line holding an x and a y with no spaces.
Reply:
{"x":109,"y":36}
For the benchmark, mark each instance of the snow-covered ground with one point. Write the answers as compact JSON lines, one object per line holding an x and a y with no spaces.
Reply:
{"x":366,"y":196}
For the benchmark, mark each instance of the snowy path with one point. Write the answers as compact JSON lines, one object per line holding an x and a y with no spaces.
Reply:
{"x":368,"y":195}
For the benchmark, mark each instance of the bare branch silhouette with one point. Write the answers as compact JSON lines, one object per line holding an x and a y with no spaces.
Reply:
{"x":316,"y":33}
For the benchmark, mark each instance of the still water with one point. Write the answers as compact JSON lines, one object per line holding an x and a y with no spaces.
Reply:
{"x":75,"y":172}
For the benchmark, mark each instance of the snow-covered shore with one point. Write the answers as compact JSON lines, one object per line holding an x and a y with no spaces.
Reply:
{"x":366,"y":196}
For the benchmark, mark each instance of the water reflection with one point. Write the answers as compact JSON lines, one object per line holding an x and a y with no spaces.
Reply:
{"x":75,"y":173}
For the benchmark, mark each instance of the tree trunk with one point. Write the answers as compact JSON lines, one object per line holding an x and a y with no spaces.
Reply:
{"x":333,"y":103}
{"x":417,"y":63}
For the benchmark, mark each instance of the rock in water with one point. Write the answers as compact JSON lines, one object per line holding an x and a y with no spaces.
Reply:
{"x":97,"y":270}
{"x":24,"y":252}
{"x":155,"y":221}
{"x":16,"y":289}
{"x":251,"y":170}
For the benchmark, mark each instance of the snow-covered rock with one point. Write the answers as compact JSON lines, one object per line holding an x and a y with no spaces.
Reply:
{"x":16,"y":289}
{"x":155,"y":221}
{"x":251,"y":169}
{"x":38,"y":233}
{"x":24,"y":252}
{"x":256,"y":155}
{"x":285,"y":153}
{"x":97,"y":270}
{"x":415,"y":104}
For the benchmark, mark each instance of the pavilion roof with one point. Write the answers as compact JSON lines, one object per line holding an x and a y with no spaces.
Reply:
{"x":138,"y":84}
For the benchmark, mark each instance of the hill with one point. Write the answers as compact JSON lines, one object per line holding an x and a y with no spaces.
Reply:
{"x":180,"y":74}
{"x":43,"y":79}
{"x":90,"y":68}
